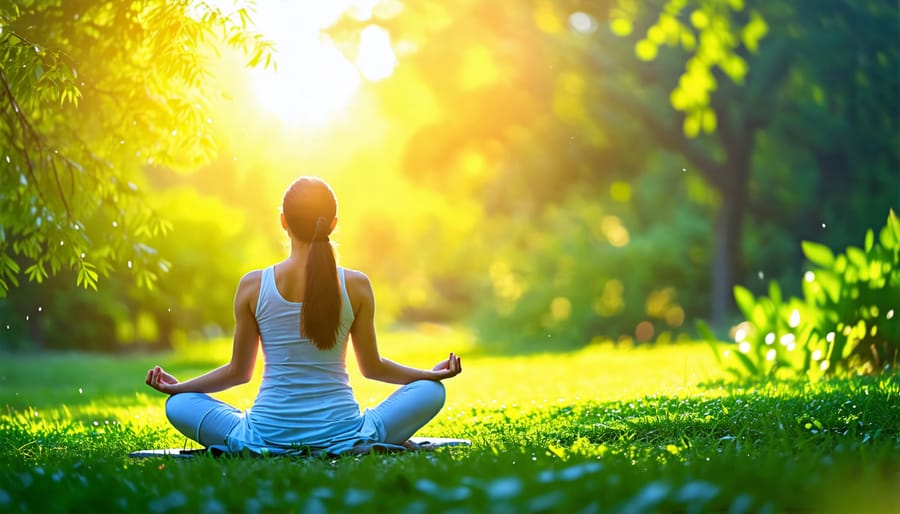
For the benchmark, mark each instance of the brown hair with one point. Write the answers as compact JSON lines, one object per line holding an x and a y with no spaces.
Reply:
{"x":310,"y":208}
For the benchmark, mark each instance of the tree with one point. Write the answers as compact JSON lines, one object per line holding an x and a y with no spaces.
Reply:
{"x":573,"y":95}
{"x":820,"y":74}
{"x":92,"y":94}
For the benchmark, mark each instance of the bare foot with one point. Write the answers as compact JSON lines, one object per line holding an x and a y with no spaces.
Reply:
{"x":409,"y":445}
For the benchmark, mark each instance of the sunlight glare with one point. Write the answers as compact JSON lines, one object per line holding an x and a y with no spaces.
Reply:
{"x":314,"y":82}
{"x":376,"y":58}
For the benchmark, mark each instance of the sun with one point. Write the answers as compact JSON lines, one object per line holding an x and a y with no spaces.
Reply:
{"x":314,"y":82}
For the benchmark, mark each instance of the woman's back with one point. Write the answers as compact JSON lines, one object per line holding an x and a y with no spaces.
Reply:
{"x":305,"y":396}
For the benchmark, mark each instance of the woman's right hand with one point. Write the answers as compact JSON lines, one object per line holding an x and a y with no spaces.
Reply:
{"x":448,"y":368}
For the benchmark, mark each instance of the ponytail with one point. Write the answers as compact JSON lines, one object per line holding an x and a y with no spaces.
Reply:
{"x":320,"y":316}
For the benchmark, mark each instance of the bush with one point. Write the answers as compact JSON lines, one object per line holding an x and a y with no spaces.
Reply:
{"x":586,"y":273}
{"x":847,"y":320}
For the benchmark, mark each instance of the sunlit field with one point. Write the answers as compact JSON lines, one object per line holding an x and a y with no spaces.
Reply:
{"x":597,"y":430}
{"x":553,"y":176}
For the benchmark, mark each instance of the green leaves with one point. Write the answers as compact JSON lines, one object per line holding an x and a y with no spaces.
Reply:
{"x":890,"y":234}
{"x":68,"y":199}
{"x":744,"y":299}
{"x":846,"y":321}
{"x":87,"y":275}
{"x":712,"y":37}
{"x":37,"y":272}
{"x":818,"y":254}
{"x":9,"y":270}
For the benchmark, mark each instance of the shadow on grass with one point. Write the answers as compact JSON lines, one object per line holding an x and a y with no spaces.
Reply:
{"x":838,"y":415}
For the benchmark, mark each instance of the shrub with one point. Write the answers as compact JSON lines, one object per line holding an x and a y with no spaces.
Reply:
{"x":587,"y":273}
{"x":847,"y":320}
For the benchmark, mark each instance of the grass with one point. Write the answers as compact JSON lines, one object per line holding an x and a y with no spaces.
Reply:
{"x":593,"y":431}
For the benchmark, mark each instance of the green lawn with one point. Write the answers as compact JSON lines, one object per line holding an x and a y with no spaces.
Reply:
{"x":597,"y":430}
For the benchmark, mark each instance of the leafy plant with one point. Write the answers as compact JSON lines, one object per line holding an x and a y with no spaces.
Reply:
{"x":91,"y":94}
{"x":847,"y":320}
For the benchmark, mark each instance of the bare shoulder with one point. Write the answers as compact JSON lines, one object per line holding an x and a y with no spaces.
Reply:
{"x":251,"y":280}
{"x":356,"y":279}
{"x":359,"y":287}
{"x":248,"y":288}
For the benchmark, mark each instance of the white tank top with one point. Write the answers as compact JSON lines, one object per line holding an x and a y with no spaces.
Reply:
{"x":305,"y":399}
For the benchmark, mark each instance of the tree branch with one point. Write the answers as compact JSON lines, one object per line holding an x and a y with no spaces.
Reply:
{"x":668,"y":134}
{"x":27,"y":133}
{"x":62,"y":194}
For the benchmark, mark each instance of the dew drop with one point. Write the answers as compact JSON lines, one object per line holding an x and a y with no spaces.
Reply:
{"x":794,"y":320}
{"x":62,"y":243}
{"x":40,"y":308}
{"x":129,"y":264}
{"x":80,"y":391}
{"x":115,"y":224}
{"x":27,"y":317}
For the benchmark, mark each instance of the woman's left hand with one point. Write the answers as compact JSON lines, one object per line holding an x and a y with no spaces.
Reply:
{"x":158,"y":379}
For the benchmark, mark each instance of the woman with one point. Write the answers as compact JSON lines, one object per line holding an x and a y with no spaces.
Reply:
{"x":302,"y":310}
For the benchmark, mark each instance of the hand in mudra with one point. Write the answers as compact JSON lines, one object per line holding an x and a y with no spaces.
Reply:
{"x":158,"y":379}
{"x":449,"y":367}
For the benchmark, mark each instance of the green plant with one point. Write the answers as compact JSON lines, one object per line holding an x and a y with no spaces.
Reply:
{"x":847,"y":320}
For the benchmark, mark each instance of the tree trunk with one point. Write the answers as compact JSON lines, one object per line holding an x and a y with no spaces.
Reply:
{"x":726,"y":261}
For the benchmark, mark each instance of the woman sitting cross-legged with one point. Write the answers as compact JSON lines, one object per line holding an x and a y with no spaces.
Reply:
{"x":303,"y":310}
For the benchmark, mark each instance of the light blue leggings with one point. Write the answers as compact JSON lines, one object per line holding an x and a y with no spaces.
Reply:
{"x":208,"y":420}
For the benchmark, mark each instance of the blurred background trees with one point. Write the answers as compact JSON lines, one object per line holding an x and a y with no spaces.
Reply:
{"x":552,"y":172}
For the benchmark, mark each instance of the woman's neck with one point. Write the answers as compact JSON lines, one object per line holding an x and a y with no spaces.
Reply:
{"x":299,"y":251}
